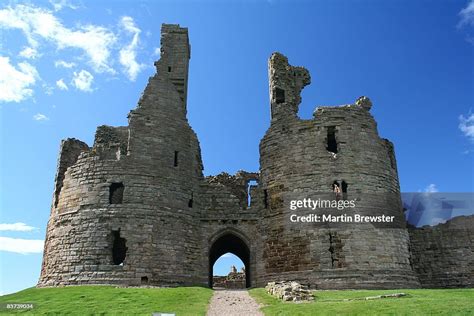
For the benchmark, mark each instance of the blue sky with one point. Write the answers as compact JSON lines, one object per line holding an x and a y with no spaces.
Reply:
{"x":68,"y":66}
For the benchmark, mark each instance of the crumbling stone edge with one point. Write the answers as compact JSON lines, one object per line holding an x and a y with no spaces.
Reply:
{"x":295,"y":292}
{"x":289,"y":291}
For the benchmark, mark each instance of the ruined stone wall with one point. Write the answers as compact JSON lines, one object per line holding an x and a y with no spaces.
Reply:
{"x":234,"y":280}
{"x":136,"y":209}
{"x":443,"y":255}
{"x":68,"y":154}
{"x":225,"y":211}
{"x":296,"y":163}
{"x":155,"y":165}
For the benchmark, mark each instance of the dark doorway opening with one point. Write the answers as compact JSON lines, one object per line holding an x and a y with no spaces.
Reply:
{"x":229,"y":243}
{"x":119,"y":248}
{"x":331,"y":140}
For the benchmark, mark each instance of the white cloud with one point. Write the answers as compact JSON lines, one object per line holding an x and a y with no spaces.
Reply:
{"x":96,"y":44}
{"x":467,"y":14}
{"x":15,"y":83}
{"x":431,"y":188}
{"x":40,"y":117}
{"x":48,"y":89}
{"x":61,"y":84}
{"x":38,"y":23}
{"x":23,"y":246}
{"x":227,"y":255}
{"x":128,"y":54}
{"x":29,"y":52}
{"x":82,"y":80}
{"x":157,"y":51}
{"x":60,"y":4}
{"x":466,"y":125}
{"x":17,"y":227}
{"x":63,"y":64}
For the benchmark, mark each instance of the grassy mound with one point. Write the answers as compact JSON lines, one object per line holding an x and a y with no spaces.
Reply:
{"x":108,"y":300}
{"x":417,"y":302}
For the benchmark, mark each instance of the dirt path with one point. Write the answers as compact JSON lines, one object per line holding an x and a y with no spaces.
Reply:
{"x":233,"y":303}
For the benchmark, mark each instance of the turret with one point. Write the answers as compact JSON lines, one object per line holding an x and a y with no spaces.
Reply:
{"x":286,"y":83}
{"x":174,"y":57}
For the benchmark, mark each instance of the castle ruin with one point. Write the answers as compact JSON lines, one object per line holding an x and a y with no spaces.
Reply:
{"x":135,"y":208}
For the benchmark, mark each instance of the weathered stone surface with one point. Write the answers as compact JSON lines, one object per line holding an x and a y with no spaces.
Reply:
{"x":135,"y":209}
{"x":443,"y":255}
{"x":295,"y":162}
{"x":289,"y":291}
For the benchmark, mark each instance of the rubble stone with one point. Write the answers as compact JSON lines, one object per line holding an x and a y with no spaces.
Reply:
{"x":289,"y":291}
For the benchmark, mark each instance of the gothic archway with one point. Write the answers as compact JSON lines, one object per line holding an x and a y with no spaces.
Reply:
{"x":229,"y":242}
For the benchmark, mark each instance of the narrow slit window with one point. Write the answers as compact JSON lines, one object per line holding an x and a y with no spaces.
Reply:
{"x":331,"y":140}
{"x":176,"y":154}
{"x":191,"y":201}
{"x":344,"y":186}
{"x":116,"y":193}
{"x":119,"y":248}
{"x":279,"y":95}
{"x":169,"y":69}
{"x":265,"y":198}
{"x":344,"y":189}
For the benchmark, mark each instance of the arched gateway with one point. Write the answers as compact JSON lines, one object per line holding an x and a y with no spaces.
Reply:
{"x":233,"y":242}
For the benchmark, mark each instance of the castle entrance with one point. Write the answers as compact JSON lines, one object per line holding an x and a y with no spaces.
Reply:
{"x":229,"y":242}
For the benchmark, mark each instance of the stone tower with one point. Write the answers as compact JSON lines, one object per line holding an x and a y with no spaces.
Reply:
{"x":123,"y":209}
{"x":135,"y":208}
{"x":305,"y":158}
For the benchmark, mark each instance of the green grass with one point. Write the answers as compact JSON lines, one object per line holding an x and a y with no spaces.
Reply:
{"x":108,"y":300}
{"x":418,"y":302}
